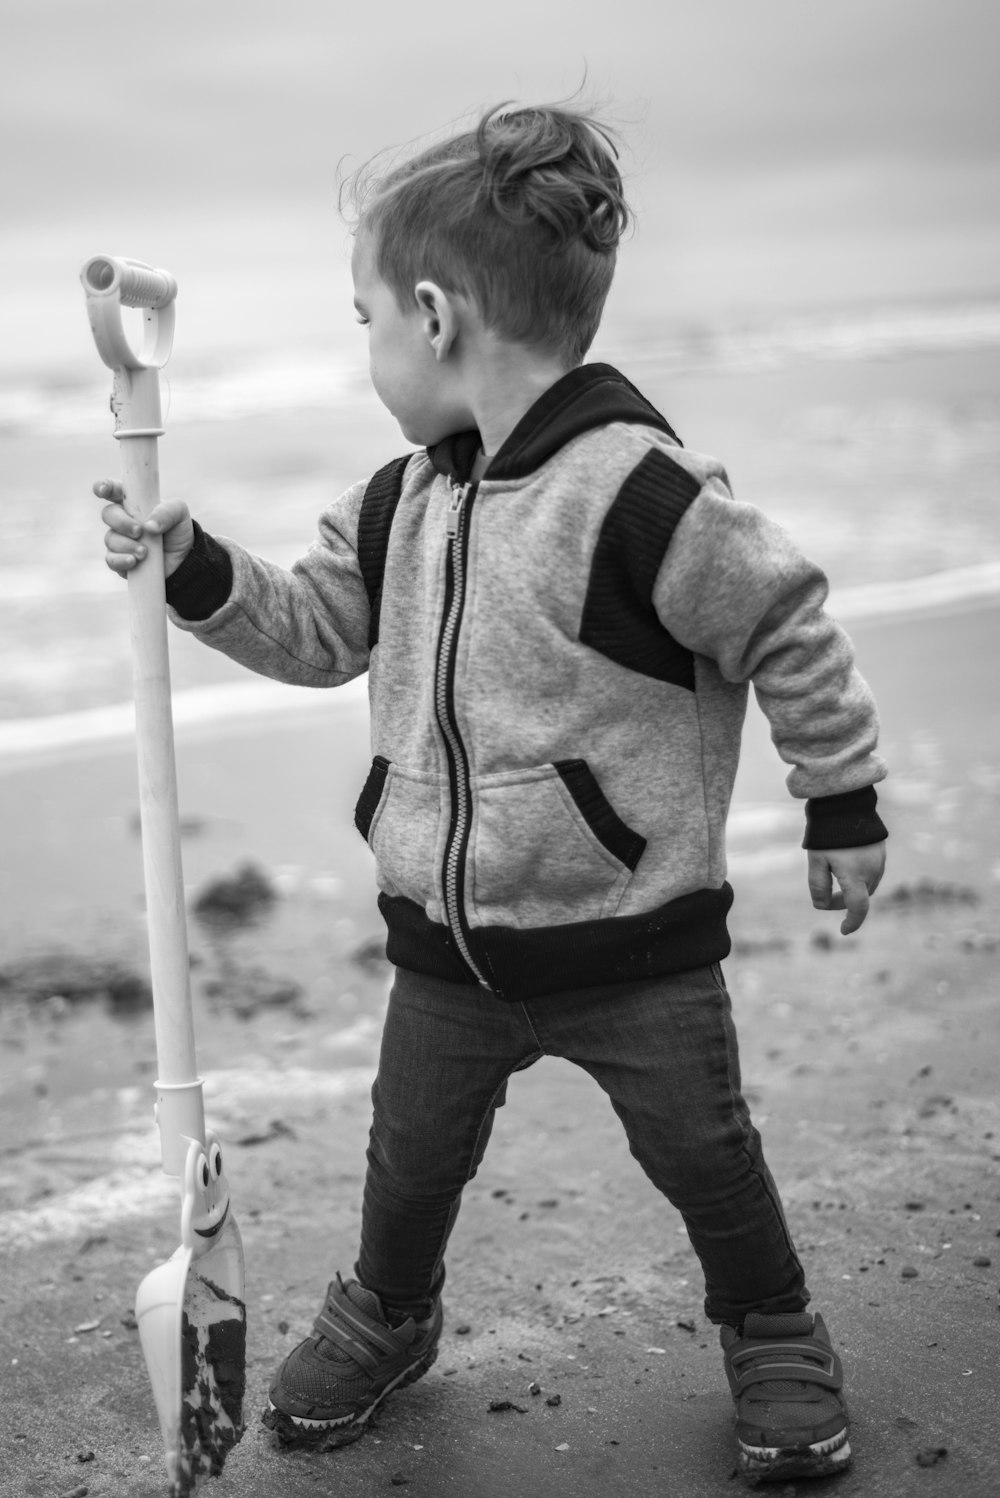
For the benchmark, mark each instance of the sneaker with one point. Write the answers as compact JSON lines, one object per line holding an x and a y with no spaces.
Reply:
{"x":327,"y":1388}
{"x":791,"y":1420}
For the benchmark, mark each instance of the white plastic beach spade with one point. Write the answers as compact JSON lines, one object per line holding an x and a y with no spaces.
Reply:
{"x":190,"y":1310}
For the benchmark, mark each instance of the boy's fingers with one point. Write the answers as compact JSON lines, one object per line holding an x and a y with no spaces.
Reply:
{"x":167,"y":514}
{"x":855,"y":899}
{"x":160,"y":520}
{"x":857,"y":871}
{"x":127,"y":543}
{"x":820,"y":883}
{"x":120,"y":523}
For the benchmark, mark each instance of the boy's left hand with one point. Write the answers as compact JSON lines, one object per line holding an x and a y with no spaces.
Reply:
{"x":857,"y":871}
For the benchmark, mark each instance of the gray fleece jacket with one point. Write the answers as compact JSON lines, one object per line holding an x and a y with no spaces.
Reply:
{"x":559,"y":659}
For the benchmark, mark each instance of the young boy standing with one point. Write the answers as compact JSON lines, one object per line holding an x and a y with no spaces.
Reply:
{"x":560,"y":609}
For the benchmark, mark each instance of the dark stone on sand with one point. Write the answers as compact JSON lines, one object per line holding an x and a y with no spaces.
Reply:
{"x":95,"y":1240}
{"x":934,"y":1104}
{"x":75,"y":980}
{"x":925,"y":894}
{"x":247,"y":989}
{"x":370,"y":954}
{"x":235,"y":900}
{"x":276,"y":1129}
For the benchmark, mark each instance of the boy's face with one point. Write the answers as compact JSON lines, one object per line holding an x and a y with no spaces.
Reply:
{"x":409,"y":381}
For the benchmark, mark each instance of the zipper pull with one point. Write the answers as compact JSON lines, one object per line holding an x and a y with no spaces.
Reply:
{"x":458,"y":497}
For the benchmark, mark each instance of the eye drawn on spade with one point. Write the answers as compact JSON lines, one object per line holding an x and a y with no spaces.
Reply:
{"x":205,"y":1207}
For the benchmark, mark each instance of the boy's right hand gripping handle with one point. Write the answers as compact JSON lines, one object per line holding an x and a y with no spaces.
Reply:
{"x":112,"y":282}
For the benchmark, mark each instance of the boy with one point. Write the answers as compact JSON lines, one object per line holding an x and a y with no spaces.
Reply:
{"x":560,"y":609}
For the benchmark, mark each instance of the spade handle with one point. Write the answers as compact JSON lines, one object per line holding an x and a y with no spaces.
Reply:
{"x":135,"y":403}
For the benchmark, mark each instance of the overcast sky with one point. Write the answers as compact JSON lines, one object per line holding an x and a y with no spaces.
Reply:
{"x":780,"y":151}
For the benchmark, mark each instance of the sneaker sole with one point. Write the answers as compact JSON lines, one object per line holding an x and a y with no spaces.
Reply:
{"x":328,"y":1435}
{"x":779,"y":1463}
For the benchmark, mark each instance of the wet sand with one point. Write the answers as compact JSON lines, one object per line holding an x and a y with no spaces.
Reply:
{"x":872,"y":1067}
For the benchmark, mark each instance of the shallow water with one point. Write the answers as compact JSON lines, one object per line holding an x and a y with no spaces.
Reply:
{"x":874,"y":439}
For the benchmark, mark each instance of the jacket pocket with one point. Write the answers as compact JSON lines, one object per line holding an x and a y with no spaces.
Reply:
{"x":399,"y":814}
{"x":371,"y":795}
{"x":549,"y":848}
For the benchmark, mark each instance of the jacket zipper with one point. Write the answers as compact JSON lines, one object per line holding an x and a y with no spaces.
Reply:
{"x":458,"y":764}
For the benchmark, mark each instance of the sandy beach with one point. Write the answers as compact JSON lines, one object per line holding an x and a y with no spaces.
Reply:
{"x":872,"y":1066}
{"x":809,"y":290}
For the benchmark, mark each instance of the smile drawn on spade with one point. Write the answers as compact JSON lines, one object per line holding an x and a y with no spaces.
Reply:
{"x":206,"y":1199}
{"x":211,"y":1232}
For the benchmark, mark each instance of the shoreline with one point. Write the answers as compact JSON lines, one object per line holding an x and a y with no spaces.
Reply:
{"x":219,"y":706}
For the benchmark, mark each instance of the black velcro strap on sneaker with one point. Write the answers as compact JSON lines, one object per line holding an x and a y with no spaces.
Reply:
{"x":758,"y":1362}
{"x":359,"y":1336}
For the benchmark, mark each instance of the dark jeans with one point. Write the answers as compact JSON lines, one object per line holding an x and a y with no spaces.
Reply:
{"x":664,"y":1050}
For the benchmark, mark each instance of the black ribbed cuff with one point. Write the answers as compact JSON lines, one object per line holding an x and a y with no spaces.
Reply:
{"x":203,"y":581}
{"x":845,"y":821}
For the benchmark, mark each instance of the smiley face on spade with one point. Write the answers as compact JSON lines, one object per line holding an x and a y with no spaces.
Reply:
{"x":205,"y":1207}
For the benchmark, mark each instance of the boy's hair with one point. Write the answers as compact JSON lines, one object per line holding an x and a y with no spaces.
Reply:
{"x":522,"y":214}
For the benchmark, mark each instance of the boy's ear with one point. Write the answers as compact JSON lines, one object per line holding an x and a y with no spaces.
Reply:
{"x":440,"y":316}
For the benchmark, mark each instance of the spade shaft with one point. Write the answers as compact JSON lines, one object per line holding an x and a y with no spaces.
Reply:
{"x":190,"y":1309}
{"x":111,"y":283}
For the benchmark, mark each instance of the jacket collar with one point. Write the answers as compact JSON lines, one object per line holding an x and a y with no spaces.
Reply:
{"x":590,"y":396}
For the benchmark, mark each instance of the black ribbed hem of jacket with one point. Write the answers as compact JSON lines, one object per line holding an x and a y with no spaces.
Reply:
{"x":203,"y":581}
{"x":686,"y":933}
{"x":845,"y":821}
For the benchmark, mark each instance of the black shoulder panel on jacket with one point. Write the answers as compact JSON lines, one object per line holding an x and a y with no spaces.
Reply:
{"x":619,"y":619}
{"x":374,"y":524}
